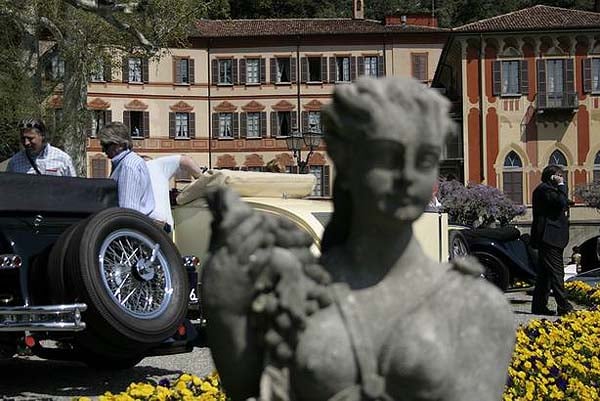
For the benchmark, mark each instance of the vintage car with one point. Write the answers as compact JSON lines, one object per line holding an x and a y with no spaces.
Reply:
{"x":82,"y":279}
{"x":284,"y":195}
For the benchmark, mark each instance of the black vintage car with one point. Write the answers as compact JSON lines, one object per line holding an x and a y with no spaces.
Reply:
{"x":82,"y":279}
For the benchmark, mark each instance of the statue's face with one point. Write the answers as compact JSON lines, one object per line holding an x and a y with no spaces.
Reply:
{"x":397,"y":176}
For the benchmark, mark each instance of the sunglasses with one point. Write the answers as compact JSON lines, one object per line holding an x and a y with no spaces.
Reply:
{"x":31,"y":126}
{"x":105,"y":146}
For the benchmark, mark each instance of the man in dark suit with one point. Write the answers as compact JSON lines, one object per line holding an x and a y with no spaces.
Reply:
{"x":550,"y":235}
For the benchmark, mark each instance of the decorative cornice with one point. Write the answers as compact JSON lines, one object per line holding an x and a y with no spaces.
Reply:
{"x":253,"y":107}
{"x":313,"y":105}
{"x":226,"y":161}
{"x":98,"y":104}
{"x":136,"y":105}
{"x":254,"y":160}
{"x":56,"y":102}
{"x":317,"y":159}
{"x":283,"y":105}
{"x":181,"y":107}
{"x":225,"y":107}
{"x":285,"y":158}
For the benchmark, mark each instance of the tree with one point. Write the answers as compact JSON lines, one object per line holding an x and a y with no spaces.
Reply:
{"x":81,"y":34}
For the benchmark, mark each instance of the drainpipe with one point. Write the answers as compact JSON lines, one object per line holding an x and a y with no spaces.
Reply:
{"x":298,"y":114}
{"x":209,"y":115}
{"x":481,"y":94}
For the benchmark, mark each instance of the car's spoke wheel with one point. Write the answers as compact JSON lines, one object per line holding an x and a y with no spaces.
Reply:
{"x":458,"y":245}
{"x":495,"y":271}
{"x":132,"y":279}
{"x":136,"y":273}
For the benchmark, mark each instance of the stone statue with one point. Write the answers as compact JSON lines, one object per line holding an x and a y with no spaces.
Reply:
{"x":374,"y":318}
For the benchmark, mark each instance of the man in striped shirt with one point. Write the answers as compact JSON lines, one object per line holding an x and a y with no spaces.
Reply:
{"x":128,"y":169}
{"x":38,"y":156}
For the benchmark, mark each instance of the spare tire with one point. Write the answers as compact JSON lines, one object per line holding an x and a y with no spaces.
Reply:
{"x":130,"y":275}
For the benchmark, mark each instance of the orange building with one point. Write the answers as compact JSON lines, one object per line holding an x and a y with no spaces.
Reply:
{"x":231,"y":98}
{"x":526,"y":86}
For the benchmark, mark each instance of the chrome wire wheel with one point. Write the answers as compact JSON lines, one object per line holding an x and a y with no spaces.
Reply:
{"x":136,"y":273}
{"x":458,"y":247}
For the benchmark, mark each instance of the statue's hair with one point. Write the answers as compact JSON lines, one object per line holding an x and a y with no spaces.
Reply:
{"x":116,"y":132}
{"x":357,"y":112}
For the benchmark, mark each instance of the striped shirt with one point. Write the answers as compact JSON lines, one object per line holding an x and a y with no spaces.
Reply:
{"x":133,"y":182}
{"x":50,"y":161}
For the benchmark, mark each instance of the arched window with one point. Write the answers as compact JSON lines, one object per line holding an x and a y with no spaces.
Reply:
{"x":558,"y":158}
{"x":596,"y":170}
{"x":512,"y":177}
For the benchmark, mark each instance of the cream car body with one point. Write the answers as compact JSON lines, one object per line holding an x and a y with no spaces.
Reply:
{"x":282,"y":195}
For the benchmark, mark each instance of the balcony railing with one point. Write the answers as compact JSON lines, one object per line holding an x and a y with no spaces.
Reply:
{"x":557,"y":101}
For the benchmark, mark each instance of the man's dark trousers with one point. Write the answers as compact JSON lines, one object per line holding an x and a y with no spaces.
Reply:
{"x":551,"y":275}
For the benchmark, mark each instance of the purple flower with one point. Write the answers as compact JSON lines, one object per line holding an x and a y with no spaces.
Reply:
{"x":164,"y":383}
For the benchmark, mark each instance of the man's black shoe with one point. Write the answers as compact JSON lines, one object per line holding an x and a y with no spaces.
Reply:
{"x":544,"y":311}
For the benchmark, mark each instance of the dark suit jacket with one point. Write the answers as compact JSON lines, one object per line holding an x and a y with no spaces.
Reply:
{"x":550,"y":216}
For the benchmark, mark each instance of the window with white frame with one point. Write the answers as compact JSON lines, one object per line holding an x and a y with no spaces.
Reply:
{"x":314,"y":69}
{"x":511,"y":77}
{"x":135,"y":69}
{"x":225,"y":125}
{"x":253,"y":125}
{"x":371,"y":67}
{"x":342,"y":69}
{"x":183,"y":70}
{"x":283,"y":70}
{"x":555,"y":77}
{"x":317,"y":171}
{"x":558,"y":158}
{"x":97,"y":74}
{"x":512,"y":177}
{"x":252,"y":71}
{"x":226,"y":71}
{"x":596,"y":75}
{"x":99,"y":120}
{"x":136,"y":124}
{"x":284,"y":123}
{"x":182,"y":125}
{"x":419,"y":66}
{"x":57,"y":68}
{"x":314,"y":120}
{"x":596,"y":171}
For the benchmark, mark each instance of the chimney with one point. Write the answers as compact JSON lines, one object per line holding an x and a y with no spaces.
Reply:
{"x":358,"y":9}
{"x":420,"y":19}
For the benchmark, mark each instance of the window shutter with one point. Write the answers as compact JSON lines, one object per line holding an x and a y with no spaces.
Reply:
{"x":331,"y":70}
{"x":172,"y":125}
{"x":274,"y":125}
{"x":497,"y":77}
{"x":127,"y":119}
{"x":541,"y":84}
{"x":234,"y":71}
{"x":215,"y":71}
{"x":192,"y":125}
{"x":215,"y":125}
{"x":361,"y":66}
{"x":324,"y":69}
{"x":107,"y":70}
{"x":146,"y":124}
{"x":294,"y":118}
{"x":236,"y":124}
{"x":125,"y":70}
{"x":191,"y":71}
{"x":524,"y":77}
{"x":263,"y":71}
{"x":326,"y":181}
{"x":304,"y":69}
{"x":242,"y":71}
{"x":145,"y":71}
{"x":569,"y":76}
{"x":243,"y":124}
{"x":107,"y":116}
{"x":177,"y":70}
{"x":587,"y":75}
{"x":263,"y":124}
{"x":380,"y":66}
{"x":273,"y":70}
{"x":353,"y":68}
{"x":305,"y":120}
{"x":293,"y":70}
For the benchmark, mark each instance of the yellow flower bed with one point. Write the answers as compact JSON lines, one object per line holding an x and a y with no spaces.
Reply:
{"x":559,"y":360}
{"x":186,"y":388}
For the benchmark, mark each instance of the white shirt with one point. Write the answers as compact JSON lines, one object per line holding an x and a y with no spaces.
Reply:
{"x":161,"y":171}
{"x":50,"y":161}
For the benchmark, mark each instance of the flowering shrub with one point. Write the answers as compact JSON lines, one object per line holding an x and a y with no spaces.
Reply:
{"x":589,"y":194}
{"x":186,"y":388}
{"x":477,"y":205}
{"x":583,"y":293}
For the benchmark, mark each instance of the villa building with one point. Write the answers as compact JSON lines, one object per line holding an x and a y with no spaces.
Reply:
{"x":231,"y":98}
{"x":526,"y":89}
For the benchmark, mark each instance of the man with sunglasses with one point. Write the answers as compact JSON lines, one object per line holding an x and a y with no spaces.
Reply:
{"x":38,"y":156}
{"x":128,"y":169}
